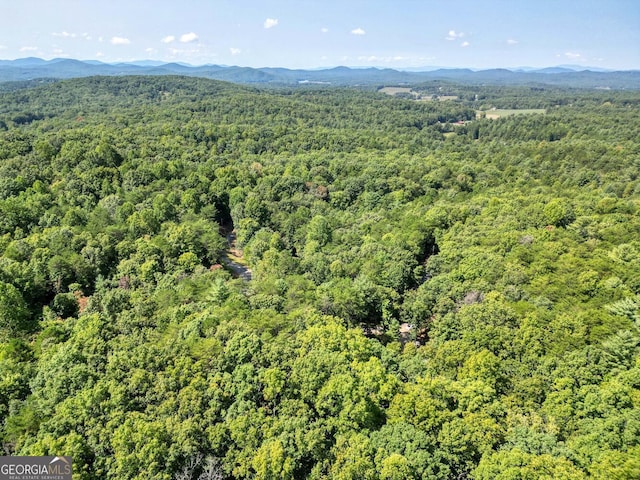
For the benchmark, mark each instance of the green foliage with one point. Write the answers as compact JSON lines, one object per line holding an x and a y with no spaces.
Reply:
{"x":200,"y":280}
{"x":65,"y":305}
{"x":517,"y":465}
{"x":14,"y":316}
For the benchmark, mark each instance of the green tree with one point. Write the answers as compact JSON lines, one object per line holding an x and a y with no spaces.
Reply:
{"x":14,"y":315}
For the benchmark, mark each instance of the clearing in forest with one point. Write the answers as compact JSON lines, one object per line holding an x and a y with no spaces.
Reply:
{"x":398,"y":90}
{"x":409,"y":92}
{"x":505,"y":112}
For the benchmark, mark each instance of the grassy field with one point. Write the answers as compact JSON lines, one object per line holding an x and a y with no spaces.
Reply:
{"x":444,"y":98}
{"x":499,"y":112}
{"x":417,"y":95}
{"x":396,"y":90}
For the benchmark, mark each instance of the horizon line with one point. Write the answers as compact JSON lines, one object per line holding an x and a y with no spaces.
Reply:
{"x":414,"y":69}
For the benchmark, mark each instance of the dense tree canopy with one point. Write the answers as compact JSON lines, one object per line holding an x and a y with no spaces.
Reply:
{"x":432,"y":295}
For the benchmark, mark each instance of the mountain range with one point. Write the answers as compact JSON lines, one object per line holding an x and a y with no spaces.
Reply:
{"x":565,"y":76}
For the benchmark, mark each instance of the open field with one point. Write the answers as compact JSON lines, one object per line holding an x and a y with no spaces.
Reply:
{"x":444,"y":98}
{"x":398,"y":90}
{"x":500,"y":112}
{"x":393,"y":91}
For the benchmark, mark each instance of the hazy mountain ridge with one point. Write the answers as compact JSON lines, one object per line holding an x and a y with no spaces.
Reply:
{"x":569,"y":76}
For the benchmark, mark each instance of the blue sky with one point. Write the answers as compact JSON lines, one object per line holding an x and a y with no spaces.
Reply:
{"x":310,"y":33}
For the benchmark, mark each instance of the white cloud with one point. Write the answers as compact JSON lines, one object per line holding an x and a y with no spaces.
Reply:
{"x":377,"y":59}
{"x":99,"y":54}
{"x":120,"y":41}
{"x":270,"y":22}
{"x":572,"y":55}
{"x":358,"y":31}
{"x":64,"y":34}
{"x":511,"y":41}
{"x":235,"y":51}
{"x":193,"y":52}
{"x":453,"y":35}
{"x":465,"y":44}
{"x":28,"y":49}
{"x":58,"y":52}
{"x":188,"y":37}
{"x":3,"y":47}
{"x":150,"y":50}
{"x":168,"y":39}
{"x":324,"y":30}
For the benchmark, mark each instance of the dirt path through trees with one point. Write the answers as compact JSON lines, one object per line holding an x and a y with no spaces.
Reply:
{"x":233,"y":258}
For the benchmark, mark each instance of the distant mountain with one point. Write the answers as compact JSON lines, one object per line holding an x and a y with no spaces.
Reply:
{"x":566,"y":75}
{"x":554,"y":70}
{"x":561,"y":69}
{"x":143,"y":63}
{"x":580,"y":68}
{"x":24,"y":62}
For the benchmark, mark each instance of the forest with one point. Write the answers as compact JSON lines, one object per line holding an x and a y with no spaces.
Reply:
{"x":429,"y":294}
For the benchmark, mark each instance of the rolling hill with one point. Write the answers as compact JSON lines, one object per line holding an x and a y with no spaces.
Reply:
{"x":36,"y":68}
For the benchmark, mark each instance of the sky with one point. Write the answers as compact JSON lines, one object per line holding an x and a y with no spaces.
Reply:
{"x":315,"y":34}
